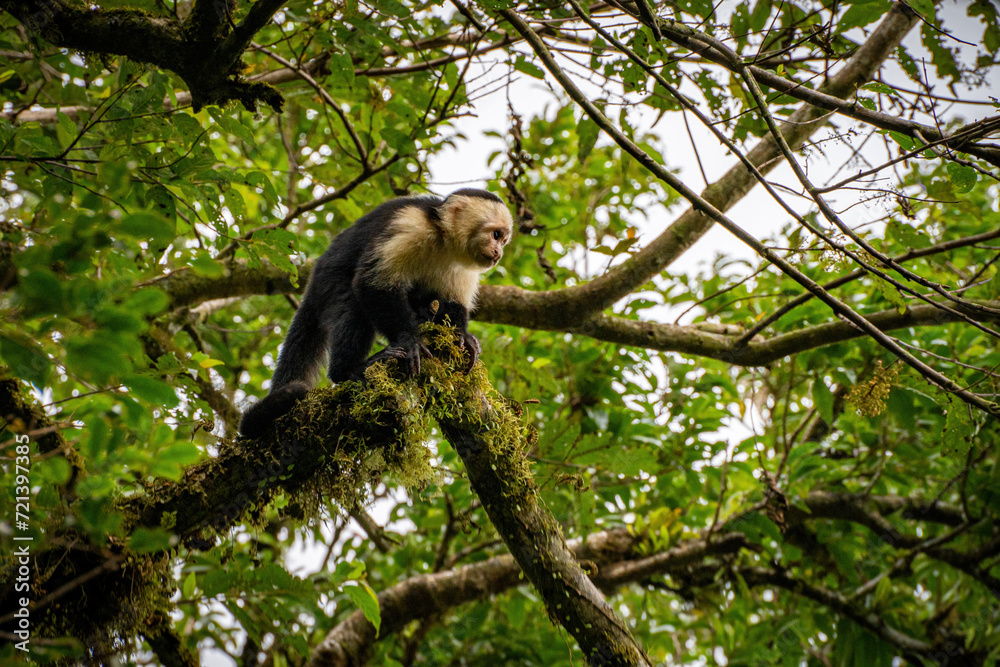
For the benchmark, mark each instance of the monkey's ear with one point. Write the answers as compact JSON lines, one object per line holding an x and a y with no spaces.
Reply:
{"x":453,"y":207}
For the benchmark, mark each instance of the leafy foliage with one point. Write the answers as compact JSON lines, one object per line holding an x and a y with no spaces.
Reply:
{"x":867,"y":496}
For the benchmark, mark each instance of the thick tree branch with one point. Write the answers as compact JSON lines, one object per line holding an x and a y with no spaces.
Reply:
{"x":499,"y":474}
{"x":501,"y":304}
{"x":712,"y":213}
{"x":561,"y":308}
{"x":196,"y":49}
{"x":692,"y":340}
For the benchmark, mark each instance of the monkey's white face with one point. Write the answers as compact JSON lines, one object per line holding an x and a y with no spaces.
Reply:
{"x":486,"y":247}
{"x":483,"y":227}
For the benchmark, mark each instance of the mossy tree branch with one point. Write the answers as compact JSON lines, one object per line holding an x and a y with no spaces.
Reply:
{"x":335,"y":445}
{"x":495,"y":463}
{"x":203,"y":49}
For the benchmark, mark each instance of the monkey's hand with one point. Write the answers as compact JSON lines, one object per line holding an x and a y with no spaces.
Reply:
{"x":469,"y":343}
{"x":407,"y":351}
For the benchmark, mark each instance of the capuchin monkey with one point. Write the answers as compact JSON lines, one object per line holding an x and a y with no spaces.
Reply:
{"x":382,"y":275}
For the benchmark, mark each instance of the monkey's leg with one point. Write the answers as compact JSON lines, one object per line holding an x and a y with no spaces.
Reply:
{"x":301,"y":354}
{"x":298,"y":365}
{"x":351,"y":337}
{"x":389,"y":310}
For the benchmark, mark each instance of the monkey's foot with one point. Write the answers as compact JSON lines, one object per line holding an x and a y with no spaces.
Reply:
{"x":470,"y":343}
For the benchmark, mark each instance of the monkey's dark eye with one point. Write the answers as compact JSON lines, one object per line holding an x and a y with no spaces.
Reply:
{"x":497,"y":234}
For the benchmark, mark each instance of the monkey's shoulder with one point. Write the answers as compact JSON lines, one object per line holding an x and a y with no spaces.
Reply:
{"x":359,"y":243}
{"x":386,"y":216}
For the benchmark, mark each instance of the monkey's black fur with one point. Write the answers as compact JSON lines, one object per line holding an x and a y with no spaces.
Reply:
{"x":345,"y":306}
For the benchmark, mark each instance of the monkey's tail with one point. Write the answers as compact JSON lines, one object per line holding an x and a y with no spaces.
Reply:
{"x":298,"y":367}
{"x":260,"y":417}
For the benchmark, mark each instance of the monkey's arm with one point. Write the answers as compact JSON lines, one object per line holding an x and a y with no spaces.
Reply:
{"x":389,"y":311}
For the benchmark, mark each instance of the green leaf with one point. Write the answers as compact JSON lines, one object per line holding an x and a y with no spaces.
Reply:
{"x":862,"y":13}
{"x":119,"y":320}
{"x":25,"y":359}
{"x":906,"y":142}
{"x":147,"y":301}
{"x":529,"y":68}
{"x":363,"y":596}
{"x":162,"y":202}
{"x":889,"y":291}
{"x":66,"y":129}
{"x":991,"y":38}
{"x":740,"y":21}
{"x":149,"y":540}
{"x":957,"y":428}
{"x":96,"y":359}
{"x":41,"y":291}
{"x":823,"y":399}
{"x":964,"y":178}
{"x":152,"y":390}
{"x":587,"y":133}
{"x":877,"y":87}
{"x":941,"y":55}
{"x":907,"y":236}
{"x":188,"y":587}
{"x":236,"y":128}
{"x":217,"y":581}
{"x":400,"y":141}
{"x":182,"y":453}
{"x":205,"y":265}
{"x":56,"y":470}
{"x":148,"y":226}
{"x":348,"y":570}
